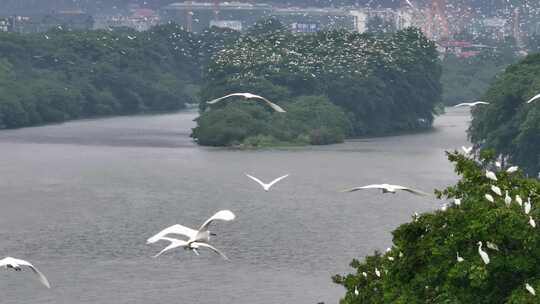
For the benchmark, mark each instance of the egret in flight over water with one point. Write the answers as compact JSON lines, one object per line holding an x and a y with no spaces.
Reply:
{"x":471,"y":104}
{"x":534,"y":98}
{"x":265,"y":186}
{"x":274,"y":106}
{"x":17,"y":265}
{"x":387,"y":188}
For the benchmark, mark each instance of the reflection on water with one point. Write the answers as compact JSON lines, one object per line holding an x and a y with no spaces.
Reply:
{"x":79,"y":199}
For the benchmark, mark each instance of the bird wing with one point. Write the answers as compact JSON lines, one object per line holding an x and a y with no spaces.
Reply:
{"x":42,"y":277}
{"x":174,"y":229}
{"x":364,"y":187}
{"x":480,"y":102}
{"x":214,"y":249}
{"x":174,"y":244}
{"x":411,"y":190}
{"x":223,"y":215}
{"x":224,"y":97}
{"x":257,"y":180}
{"x":534,"y":98}
{"x":277,"y":180}
{"x":271,"y":104}
{"x":463,"y":104}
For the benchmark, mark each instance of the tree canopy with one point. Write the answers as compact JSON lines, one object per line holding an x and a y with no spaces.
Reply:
{"x":422,"y":265}
{"x":509,"y":125}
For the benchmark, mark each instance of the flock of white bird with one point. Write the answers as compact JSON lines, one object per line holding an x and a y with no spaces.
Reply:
{"x":200,"y":238}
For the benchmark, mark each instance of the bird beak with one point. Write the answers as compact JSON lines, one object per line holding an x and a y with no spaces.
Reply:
{"x":213,"y":234}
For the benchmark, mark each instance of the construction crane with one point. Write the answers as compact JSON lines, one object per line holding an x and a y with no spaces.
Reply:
{"x":437,"y":21}
{"x":189,"y":16}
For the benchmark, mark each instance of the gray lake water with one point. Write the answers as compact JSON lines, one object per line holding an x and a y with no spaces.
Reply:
{"x":80,"y":199}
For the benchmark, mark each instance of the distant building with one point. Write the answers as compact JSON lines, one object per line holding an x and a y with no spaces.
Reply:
{"x":227,"y":24}
{"x":4,"y":25}
{"x":66,"y":20}
{"x":137,"y":18}
{"x":306,"y":20}
{"x":197,"y":16}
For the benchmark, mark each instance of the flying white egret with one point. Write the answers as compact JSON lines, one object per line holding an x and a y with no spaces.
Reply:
{"x":496,"y":190}
{"x":532,"y":222}
{"x":17,"y":264}
{"x":483,"y":254}
{"x":274,"y":106}
{"x":201,"y":236}
{"x":491,"y":245}
{"x":507,"y":199}
{"x":519,"y":200}
{"x":467,"y":150}
{"x":534,"y":98}
{"x":193,"y":246}
{"x":512,"y":169}
{"x":491,"y":175}
{"x":386,"y":188}
{"x":265,"y":186}
{"x":530,"y":289}
{"x":459,"y":259}
{"x":470,"y":104}
{"x":489,"y":197}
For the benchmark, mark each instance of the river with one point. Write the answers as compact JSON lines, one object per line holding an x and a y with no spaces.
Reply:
{"x":80,"y":199}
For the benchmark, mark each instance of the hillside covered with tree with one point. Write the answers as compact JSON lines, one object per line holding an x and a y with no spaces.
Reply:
{"x":382,"y":82}
{"x":435,"y":258}
{"x":62,"y":75}
{"x":509,"y":125}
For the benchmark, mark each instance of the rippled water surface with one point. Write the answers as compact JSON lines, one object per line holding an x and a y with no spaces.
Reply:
{"x":79,"y":200}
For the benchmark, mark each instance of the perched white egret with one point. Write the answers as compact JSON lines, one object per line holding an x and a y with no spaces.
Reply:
{"x":457,"y":201}
{"x":496,"y":190}
{"x":196,"y":238}
{"x":534,"y":98}
{"x":483,"y":254}
{"x":364,"y":274}
{"x":471,"y":104}
{"x":532,"y":222}
{"x":377,"y":272}
{"x":17,"y":264}
{"x":491,"y":175}
{"x":274,"y":106}
{"x":489,"y":197}
{"x":519,"y":200}
{"x":265,"y":186}
{"x":459,"y":259}
{"x":444,"y":207}
{"x":512,"y":169}
{"x":491,"y":245}
{"x":467,"y":150}
{"x":498,"y":164}
{"x":527,"y":206}
{"x":390,"y":258}
{"x":386,"y":188}
{"x":507,"y":199}
{"x":400,"y":254}
{"x":530,"y":289}
{"x":356,"y":293}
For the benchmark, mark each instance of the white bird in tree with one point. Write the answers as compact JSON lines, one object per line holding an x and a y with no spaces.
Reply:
{"x":457,"y":202}
{"x":491,"y":245}
{"x":265,"y":186}
{"x":491,"y":175}
{"x":512,"y":169}
{"x":467,"y":150}
{"x":489,"y":197}
{"x":274,"y":106}
{"x":364,"y":274}
{"x":498,"y":164}
{"x":356,"y":293}
{"x":527,"y":206}
{"x":17,"y":265}
{"x":532,"y":222}
{"x":496,"y":190}
{"x":387,"y":188}
{"x":534,"y":98}
{"x":483,"y":254}
{"x":530,"y":289}
{"x":507,"y":199}
{"x":471,"y":104}
{"x":196,"y":238}
{"x":377,"y":272}
{"x":519,"y":200}
{"x":459,"y":259}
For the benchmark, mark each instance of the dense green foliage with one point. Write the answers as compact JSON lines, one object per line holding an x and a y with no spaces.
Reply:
{"x":467,"y":79}
{"x":508,"y":124}
{"x":384,"y":83}
{"x":61,"y":75}
{"x":309,"y":120}
{"x":422,"y":265}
